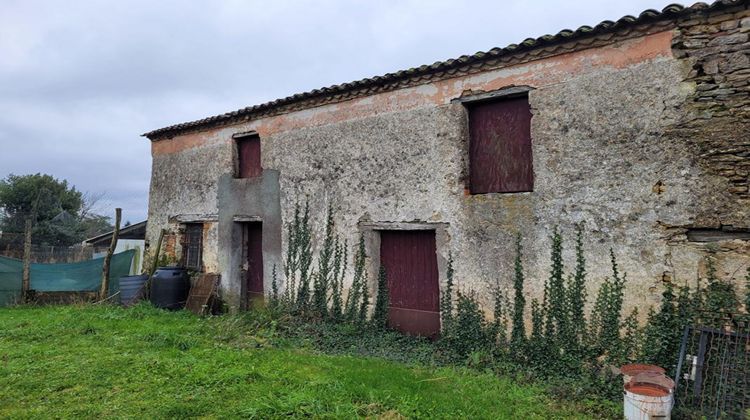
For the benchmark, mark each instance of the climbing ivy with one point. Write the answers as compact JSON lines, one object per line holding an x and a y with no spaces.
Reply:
{"x":536,"y":346}
{"x":446,"y":298}
{"x":562,"y":341}
{"x":337,"y":281}
{"x":663,"y":332}
{"x":719,"y":298}
{"x":380,"y":314}
{"x":518,"y":331}
{"x":555,"y":296}
{"x":499,"y":331}
{"x":605,"y":319}
{"x":274,"y":298}
{"x":632,"y":339}
{"x":357,"y":299}
{"x":323,"y":277}
{"x":303,"y":236}
{"x":292,"y":257}
{"x":576,"y":300}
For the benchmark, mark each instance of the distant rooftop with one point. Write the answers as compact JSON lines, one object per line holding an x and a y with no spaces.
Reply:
{"x":134,"y":231}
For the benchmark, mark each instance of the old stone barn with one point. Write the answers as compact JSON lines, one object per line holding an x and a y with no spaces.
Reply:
{"x":640,"y":128}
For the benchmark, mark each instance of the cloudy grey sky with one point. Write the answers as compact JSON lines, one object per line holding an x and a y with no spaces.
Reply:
{"x":80,"y":80}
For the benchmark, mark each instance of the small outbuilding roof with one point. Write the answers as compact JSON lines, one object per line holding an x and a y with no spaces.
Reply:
{"x":134,"y":231}
{"x":443,"y":69}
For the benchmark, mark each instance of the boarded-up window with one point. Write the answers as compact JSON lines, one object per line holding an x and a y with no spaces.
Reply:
{"x":248,"y":156}
{"x":192,"y":246}
{"x":500,"y":146}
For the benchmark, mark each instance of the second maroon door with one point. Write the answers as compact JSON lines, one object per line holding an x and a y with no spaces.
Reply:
{"x":254,"y":244}
{"x":410,"y":263}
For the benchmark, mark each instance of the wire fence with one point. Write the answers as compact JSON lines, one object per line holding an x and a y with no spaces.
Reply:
{"x":46,"y":254}
{"x":713,"y":371}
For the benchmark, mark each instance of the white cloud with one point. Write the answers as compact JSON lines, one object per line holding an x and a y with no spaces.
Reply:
{"x":80,"y":81}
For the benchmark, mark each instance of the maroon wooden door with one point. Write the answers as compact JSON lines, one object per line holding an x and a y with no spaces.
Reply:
{"x":410,"y":263}
{"x":254,"y":247}
{"x":500,"y":147}
{"x":248,"y":157}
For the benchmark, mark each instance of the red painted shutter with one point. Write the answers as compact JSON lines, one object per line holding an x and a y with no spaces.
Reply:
{"x":410,"y":263}
{"x":248,"y":157}
{"x":500,"y":147}
{"x":254,"y":232}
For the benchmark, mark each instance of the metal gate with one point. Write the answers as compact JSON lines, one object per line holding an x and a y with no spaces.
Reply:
{"x":713,"y":370}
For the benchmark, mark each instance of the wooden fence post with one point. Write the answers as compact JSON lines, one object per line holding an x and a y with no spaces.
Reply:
{"x":105,"y":269}
{"x":26,"y":279}
{"x":155,"y":262}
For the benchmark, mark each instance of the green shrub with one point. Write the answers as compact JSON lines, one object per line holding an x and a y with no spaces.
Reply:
{"x":468,"y":332}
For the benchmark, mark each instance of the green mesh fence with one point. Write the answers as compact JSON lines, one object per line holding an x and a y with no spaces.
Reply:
{"x":11,"y":276}
{"x":83,"y":276}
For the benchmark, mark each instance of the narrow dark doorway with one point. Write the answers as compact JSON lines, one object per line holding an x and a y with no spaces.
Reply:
{"x":253,"y":234}
{"x":410,"y":261}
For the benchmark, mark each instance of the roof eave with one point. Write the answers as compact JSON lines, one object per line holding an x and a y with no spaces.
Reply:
{"x":651,"y":17}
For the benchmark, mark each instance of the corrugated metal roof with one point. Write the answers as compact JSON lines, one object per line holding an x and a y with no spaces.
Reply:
{"x":423,"y":73}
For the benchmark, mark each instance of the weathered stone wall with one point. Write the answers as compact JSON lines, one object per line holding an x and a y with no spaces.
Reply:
{"x":184,"y":189}
{"x":714,"y":125}
{"x":716,"y":117}
{"x":617,"y":133}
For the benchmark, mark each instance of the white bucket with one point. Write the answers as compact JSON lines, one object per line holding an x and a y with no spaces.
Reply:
{"x":647,"y":401}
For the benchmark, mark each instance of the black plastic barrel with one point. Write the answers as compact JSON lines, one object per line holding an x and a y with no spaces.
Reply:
{"x":170,"y":287}
{"x":131,"y":288}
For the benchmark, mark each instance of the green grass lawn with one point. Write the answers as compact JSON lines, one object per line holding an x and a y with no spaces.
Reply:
{"x":87,"y":361}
